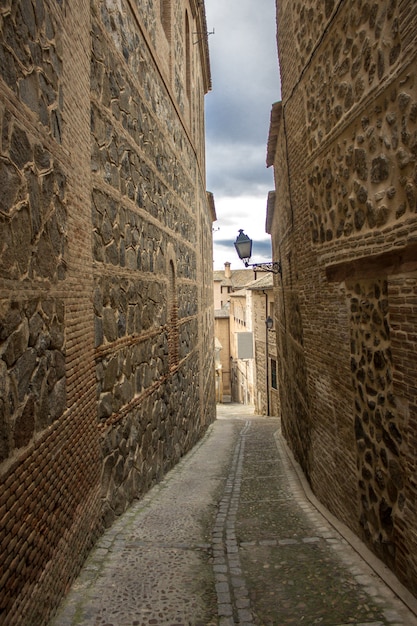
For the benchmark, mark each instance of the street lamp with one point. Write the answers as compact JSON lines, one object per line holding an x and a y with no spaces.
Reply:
{"x":243,"y":245}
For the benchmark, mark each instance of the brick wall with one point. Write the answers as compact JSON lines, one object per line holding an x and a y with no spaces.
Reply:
{"x":50,"y":471}
{"x":344,"y":227}
{"x":106,"y":314}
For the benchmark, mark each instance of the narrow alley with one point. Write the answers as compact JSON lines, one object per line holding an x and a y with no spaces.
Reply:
{"x":229,"y":537}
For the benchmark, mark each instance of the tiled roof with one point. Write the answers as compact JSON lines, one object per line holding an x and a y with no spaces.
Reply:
{"x":265,"y":282}
{"x":223,"y":312}
{"x":220,"y":313}
{"x":237,"y":280}
{"x":241,"y":293}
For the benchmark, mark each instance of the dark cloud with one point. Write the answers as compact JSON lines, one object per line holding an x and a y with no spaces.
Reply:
{"x":261,"y":251}
{"x":244,"y":67}
{"x":240,"y":113}
{"x":236,"y":169}
{"x":245,"y":77}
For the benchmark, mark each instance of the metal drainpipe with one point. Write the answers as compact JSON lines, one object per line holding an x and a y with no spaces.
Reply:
{"x":266,"y":355}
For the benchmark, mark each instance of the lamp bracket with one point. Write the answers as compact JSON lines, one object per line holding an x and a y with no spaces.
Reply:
{"x":202,"y":35}
{"x":272,"y":266}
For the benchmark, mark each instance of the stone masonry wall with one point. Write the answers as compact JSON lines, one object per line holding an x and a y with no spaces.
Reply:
{"x":344,"y":228}
{"x":366,"y":180}
{"x":205,"y":323}
{"x":379,"y":425}
{"x":402,"y":291}
{"x":49,"y":449}
{"x":106,"y":314}
{"x":145,"y":187}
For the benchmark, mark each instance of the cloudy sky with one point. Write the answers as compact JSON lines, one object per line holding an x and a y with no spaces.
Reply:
{"x":245,"y":77}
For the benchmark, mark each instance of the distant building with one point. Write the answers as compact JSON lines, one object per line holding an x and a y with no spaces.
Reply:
{"x":253,"y":346}
{"x":227,"y":281}
{"x":261,"y":297}
{"x":343,"y":222}
{"x":242,"y":351}
{"x":225,"y":284}
{"x":244,"y":342}
{"x":106,"y":311}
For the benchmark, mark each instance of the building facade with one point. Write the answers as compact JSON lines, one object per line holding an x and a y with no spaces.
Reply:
{"x":225,"y":283}
{"x":262,"y":304}
{"x":222,"y":336}
{"x":252,"y":346}
{"x":343,"y":147}
{"x":242,"y":349}
{"x":106,"y":291}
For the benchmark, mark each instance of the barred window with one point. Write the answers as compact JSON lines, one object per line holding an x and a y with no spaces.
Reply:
{"x":274,"y":382}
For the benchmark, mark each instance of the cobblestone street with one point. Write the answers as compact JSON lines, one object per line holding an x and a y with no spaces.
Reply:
{"x":229,"y":537}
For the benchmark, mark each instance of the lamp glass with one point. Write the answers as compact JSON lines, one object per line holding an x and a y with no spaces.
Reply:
{"x":243,"y":245}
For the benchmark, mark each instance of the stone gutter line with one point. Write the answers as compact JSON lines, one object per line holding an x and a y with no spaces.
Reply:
{"x":378,"y":567}
{"x":232,"y":593}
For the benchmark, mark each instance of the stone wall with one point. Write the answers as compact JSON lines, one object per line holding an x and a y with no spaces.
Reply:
{"x":344,"y":228}
{"x":243,"y":372}
{"x":257,"y":302}
{"x":106,"y":314}
{"x":49,"y":450}
{"x":261,"y":299}
{"x":365,"y":181}
{"x":379,"y":426}
{"x":146,"y":185}
{"x":222,"y":333}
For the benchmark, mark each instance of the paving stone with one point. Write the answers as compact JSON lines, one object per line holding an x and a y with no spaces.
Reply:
{"x":201,"y":549}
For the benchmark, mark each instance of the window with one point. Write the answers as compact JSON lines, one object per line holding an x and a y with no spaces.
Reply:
{"x":274,"y":382}
{"x":272,"y":310}
{"x":165,"y":10}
